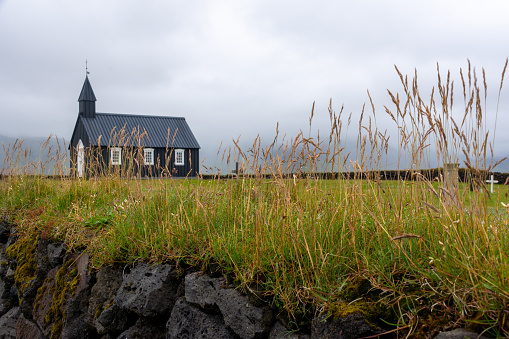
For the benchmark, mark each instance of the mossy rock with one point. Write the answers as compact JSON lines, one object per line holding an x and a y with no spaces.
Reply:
{"x":357,"y":288}
{"x":351,"y":320}
{"x":376,"y":314}
{"x":23,"y":253}
{"x":103,"y":307}
{"x":58,"y":287}
{"x":343,"y":309}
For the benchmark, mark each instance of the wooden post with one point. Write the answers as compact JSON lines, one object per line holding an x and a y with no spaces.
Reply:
{"x":451,"y":182}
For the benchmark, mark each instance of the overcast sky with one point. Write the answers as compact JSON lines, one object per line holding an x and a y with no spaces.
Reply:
{"x":236,"y":68}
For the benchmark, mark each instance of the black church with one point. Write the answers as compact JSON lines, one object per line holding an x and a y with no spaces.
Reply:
{"x":129,"y":144}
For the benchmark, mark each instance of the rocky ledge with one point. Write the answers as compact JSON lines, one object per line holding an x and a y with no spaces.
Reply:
{"x":46,"y":292}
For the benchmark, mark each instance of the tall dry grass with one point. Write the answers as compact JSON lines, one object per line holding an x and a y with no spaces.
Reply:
{"x":433,"y":254}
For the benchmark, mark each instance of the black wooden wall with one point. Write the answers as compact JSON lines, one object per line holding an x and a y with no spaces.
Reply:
{"x":98,"y":163}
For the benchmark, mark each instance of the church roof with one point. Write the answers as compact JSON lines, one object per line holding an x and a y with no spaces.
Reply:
{"x":109,"y":129}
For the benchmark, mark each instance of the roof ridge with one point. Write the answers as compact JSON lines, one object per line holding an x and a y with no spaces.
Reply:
{"x":142,"y":115}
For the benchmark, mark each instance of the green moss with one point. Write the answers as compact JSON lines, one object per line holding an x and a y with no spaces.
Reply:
{"x":54,"y":314}
{"x":98,"y":311}
{"x":73,"y":273}
{"x":372,"y":312}
{"x":23,"y":251}
{"x":38,"y":297}
{"x":109,"y":304}
{"x":64,"y":285}
{"x":56,"y":330}
{"x":24,"y":275}
{"x":357,"y":288}
{"x":102,"y":307}
{"x":74,"y":282}
{"x":342,"y":310}
{"x":180,"y":273}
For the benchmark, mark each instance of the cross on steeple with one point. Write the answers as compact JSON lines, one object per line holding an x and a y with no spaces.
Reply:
{"x":86,"y":67}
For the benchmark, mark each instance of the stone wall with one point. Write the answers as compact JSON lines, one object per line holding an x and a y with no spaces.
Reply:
{"x":46,"y":292}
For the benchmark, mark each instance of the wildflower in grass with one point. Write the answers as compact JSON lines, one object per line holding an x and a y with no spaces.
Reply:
{"x":432,"y":260}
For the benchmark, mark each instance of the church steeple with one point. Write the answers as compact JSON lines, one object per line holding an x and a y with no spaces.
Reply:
{"x":87,"y":100}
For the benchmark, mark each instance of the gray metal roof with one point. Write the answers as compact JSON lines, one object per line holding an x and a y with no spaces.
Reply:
{"x":87,"y":93}
{"x":125,"y":129}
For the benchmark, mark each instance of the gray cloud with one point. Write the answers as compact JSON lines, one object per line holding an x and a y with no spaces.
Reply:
{"x":235,"y":68}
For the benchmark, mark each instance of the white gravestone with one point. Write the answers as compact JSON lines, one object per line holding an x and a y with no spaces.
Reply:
{"x":491,"y":181}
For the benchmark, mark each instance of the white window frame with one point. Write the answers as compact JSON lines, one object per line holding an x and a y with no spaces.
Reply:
{"x":148,"y":151}
{"x":179,"y":157}
{"x":112,"y":152}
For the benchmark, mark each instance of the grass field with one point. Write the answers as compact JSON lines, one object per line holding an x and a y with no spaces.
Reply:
{"x":414,"y":254}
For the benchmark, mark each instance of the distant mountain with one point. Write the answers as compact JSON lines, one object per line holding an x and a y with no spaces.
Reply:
{"x":33,"y":155}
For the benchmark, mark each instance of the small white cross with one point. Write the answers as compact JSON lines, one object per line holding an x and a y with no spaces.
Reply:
{"x":491,"y":181}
